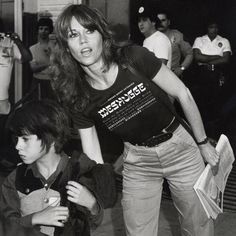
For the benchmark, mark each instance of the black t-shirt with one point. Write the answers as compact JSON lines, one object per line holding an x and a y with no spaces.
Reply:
{"x":128,"y":108}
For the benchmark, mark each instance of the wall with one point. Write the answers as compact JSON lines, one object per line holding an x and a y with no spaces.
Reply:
{"x":30,"y":6}
{"x":7,"y":14}
{"x":115,"y":11}
{"x":54,"y":7}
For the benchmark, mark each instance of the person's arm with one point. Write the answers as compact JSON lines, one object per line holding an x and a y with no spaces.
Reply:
{"x":200,"y":57}
{"x":51,"y":216}
{"x":11,"y":228}
{"x":186,"y":52}
{"x":212,"y":59}
{"x":81,"y":196}
{"x":10,"y":202}
{"x":170,"y":83}
{"x":221,"y":60}
{"x":21,"y":53}
{"x":38,"y":67}
{"x":90,"y":144}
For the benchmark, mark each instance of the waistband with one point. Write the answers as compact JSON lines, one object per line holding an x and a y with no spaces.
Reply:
{"x":161,"y":137}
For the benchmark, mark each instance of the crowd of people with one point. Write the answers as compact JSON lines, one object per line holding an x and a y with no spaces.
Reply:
{"x":87,"y":81}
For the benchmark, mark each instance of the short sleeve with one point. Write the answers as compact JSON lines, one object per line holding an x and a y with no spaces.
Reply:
{"x":80,"y":120}
{"x":197,"y":44}
{"x":161,"y":48}
{"x":227,"y":47}
{"x":145,"y":61}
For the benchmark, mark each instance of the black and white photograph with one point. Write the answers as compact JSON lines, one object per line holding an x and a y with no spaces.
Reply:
{"x":117,"y":117}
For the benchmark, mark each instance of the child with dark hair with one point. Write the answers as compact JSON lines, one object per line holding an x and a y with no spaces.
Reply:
{"x":58,"y":194}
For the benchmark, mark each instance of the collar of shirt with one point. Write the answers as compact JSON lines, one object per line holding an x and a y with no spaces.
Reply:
{"x":61,"y":166}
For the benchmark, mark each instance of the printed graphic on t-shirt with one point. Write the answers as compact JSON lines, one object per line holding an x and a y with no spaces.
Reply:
{"x":126,"y":105}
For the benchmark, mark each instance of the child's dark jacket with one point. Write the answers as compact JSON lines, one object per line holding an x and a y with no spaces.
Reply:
{"x":26,"y":187}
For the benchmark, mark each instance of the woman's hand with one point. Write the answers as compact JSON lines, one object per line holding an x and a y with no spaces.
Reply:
{"x":53,"y":216}
{"x":209,"y":154}
{"x":80,"y":195}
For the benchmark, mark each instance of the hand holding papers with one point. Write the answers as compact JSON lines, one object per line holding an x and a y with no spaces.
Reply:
{"x":210,"y":187}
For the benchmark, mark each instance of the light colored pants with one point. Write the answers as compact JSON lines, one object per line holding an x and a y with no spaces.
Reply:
{"x":180,"y":162}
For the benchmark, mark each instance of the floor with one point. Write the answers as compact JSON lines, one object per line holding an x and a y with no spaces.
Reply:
{"x":113,"y":225}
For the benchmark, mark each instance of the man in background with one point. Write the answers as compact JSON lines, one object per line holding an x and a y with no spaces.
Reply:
{"x":212,"y":54}
{"x":41,"y":51}
{"x":155,"y":41}
{"x":182,"y":54}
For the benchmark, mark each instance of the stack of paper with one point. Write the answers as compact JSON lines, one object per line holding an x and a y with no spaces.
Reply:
{"x":211,"y":184}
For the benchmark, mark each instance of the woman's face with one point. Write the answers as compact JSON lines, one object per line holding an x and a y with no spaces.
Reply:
{"x":85,"y":45}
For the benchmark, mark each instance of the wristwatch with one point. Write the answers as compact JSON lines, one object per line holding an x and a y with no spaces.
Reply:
{"x":182,"y":68}
{"x":205,"y":141}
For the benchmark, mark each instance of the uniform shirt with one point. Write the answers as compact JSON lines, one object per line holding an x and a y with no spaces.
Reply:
{"x":179,"y":47}
{"x":160,"y":45}
{"x":128,"y":108}
{"x":215,"y":47}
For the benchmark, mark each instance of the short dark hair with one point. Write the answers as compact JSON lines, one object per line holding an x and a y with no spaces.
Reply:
{"x":45,"y":22}
{"x":44,"y":118}
{"x":146,"y":11}
{"x":212,"y":21}
{"x":164,"y":12}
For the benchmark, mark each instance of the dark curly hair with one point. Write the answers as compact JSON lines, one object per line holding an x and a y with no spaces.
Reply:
{"x":45,"y":22}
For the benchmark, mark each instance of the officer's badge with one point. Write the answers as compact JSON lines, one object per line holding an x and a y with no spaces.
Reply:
{"x":141,"y":10}
{"x":220,"y":45}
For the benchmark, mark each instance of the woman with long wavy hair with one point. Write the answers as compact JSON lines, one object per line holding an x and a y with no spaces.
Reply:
{"x":126,"y":91}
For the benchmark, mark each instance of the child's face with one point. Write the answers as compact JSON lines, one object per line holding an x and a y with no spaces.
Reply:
{"x":29,"y":148}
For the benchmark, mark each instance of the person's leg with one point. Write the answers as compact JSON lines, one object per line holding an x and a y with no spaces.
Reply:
{"x":181,"y":178}
{"x":142,"y":188}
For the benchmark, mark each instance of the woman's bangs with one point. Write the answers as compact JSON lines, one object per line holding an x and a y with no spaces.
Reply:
{"x":65,"y":27}
{"x":87,"y":22}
